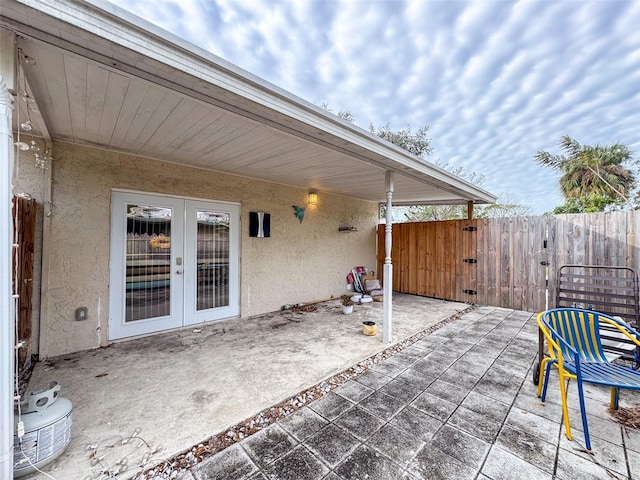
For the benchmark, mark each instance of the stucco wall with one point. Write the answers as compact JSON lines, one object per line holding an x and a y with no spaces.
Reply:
{"x":298,"y":263}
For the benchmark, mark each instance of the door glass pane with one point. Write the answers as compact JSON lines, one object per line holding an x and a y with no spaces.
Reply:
{"x":213,"y":259}
{"x":148,"y":277}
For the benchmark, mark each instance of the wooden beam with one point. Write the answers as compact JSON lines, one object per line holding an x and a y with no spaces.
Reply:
{"x":469,"y":210}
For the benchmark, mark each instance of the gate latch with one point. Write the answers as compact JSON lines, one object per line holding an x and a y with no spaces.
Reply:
{"x":470,"y":260}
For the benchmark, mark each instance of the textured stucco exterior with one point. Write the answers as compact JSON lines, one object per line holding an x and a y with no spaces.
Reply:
{"x":300,"y":262}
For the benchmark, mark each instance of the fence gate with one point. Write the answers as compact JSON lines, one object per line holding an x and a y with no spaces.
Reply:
{"x":433,"y":259}
{"x":513,"y":262}
{"x":24,"y":228}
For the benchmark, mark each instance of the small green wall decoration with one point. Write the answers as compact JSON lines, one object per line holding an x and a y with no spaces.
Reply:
{"x":298,"y":212}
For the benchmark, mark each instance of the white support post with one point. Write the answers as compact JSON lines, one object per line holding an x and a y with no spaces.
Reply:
{"x":7,"y":335}
{"x":388,"y":267}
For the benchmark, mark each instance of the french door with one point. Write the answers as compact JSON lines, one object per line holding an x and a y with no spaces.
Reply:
{"x":174,"y":262}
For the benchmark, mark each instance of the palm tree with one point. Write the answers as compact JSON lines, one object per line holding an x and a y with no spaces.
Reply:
{"x":589,"y":171}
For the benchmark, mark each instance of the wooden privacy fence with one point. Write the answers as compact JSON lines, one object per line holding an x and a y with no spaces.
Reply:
{"x":515,"y":256}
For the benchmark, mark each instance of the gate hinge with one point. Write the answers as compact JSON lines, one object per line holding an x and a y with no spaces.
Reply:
{"x":470,"y":229}
{"x":470,"y":292}
{"x":470,"y":260}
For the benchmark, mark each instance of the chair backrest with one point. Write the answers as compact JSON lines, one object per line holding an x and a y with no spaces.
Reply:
{"x":578,"y":328}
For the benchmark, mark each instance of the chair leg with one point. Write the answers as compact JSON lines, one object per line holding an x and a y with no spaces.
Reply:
{"x":543,"y":385}
{"x":541,"y":376}
{"x":615,"y":398}
{"x":565,"y":410}
{"x":583,"y":413}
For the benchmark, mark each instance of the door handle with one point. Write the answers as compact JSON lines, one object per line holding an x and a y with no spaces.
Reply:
{"x":179,"y":272}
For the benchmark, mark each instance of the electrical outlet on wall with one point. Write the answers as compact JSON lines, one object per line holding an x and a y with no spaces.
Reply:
{"x":82,"y":314}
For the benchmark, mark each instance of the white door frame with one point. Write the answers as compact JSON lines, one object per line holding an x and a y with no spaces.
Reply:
{"x":183,"y":277}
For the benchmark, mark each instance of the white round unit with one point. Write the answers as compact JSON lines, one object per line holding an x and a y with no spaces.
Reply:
{"x":45,"y":429}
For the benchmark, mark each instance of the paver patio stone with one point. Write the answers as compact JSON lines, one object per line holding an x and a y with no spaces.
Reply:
{"x":487,"y":406}
{"x":401,"y":390}
{"x":512,"y":371}
{"x":633,"y":459}
{"x":258,"y":476}
{"x":417,"y":378}
{"x":298,"y":464}
{"x":360,"y":423}
{"x":382,"y":405}
{"x":496,"y":337}
{"x":477,"y":358}
{"x":461,"y":445}
{"x":332,"y":476}
{"x":434,"y":406}
{"x":303,"y":423}
{"x":390,"y":367}
{"x":603,"y":428}
{"x":536,"y":425}
{"x":492,"y":345}
{"x":367,"y":463}
{"x":429,"y":366}
{"x":468,"y":366}
{"x":332,"y":444}
{"x":495,"y":385}
{"x":502,"y":465}
{"x":431,"y":463}
{"x":513,"y":358}
{"x":605,"y":453}
{"x":631,"y":437}
{"x":476,"y":424}
{"x":230,"y":464}
{"x":413,"y":353}
{"x":354,"y":391}
{"x":528,"y":447}
{"x":416,"y":423}
{"x":374,"y":380}
{"x":448,"y":391}
{"x":395,"y":444}
{"x":462,"y":379}
{"x":331,"y":405}
{"x":571,"y":466}
{"x":267,"y":445}
{"x":430,"y":343}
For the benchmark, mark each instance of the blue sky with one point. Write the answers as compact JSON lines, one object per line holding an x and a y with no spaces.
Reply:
{"x":495,"y":81}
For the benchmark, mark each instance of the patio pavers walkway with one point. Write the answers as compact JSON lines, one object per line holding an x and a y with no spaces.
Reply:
{"x":457,"y":404}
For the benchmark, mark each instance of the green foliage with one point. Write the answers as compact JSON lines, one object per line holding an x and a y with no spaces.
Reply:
{"x":592,"y":176}
{"x":586,"y":204}
{"x":414,"y":142}
{"x":503,"y":208}
{"x":345,"y":115}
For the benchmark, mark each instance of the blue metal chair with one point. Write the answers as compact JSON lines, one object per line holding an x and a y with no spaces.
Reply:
{"x":575,"y":349}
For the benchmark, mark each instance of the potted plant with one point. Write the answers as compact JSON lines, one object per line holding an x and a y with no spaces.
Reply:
{"x":347,"y":304}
